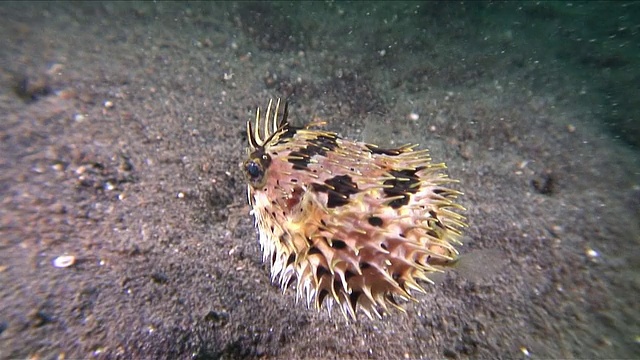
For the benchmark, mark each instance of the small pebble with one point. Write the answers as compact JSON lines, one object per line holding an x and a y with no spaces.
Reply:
{"x":109,"y":186}
{"x":591,"y":253}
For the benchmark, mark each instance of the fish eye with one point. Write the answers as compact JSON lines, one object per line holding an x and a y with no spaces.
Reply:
{"x":254,"y":171}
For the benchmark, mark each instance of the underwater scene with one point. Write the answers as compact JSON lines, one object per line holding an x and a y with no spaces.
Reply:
{"x":320,"y":180}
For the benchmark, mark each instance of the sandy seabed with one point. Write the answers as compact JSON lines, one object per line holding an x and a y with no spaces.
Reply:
{"x":122,"y":127}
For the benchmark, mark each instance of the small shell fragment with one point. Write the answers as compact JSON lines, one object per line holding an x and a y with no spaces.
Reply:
{"x":64,"y":261}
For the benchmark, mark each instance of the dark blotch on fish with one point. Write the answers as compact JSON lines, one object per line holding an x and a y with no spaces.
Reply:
{"x":338,"y":189}
{"x":405,"y":182}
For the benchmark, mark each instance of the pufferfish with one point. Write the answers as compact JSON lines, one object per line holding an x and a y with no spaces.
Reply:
{"x":348,"y":222}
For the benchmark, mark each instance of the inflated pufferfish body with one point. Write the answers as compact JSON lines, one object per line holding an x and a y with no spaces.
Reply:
{"x":351,"y":222}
